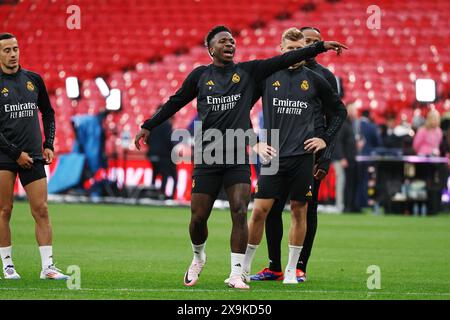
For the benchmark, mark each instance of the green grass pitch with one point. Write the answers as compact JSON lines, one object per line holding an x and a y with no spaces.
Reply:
{"x":127,"y":252}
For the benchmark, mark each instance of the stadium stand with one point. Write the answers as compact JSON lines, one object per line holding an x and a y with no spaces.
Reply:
{"x":148,"y":56}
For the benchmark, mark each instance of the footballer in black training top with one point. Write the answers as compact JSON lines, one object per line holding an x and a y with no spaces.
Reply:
{"x":22,"y":96}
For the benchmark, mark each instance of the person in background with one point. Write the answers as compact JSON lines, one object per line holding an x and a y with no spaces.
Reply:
{"x":429,"y":137}
{"x":159,"y":154}
{"x":368,"y":139}
{"x":389,"y":137}
{"x":345,"y":155}
{"x":340,"y":164}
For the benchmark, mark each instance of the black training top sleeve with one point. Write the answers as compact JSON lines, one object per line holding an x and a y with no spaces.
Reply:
{"x":48,"y":113}
{"x":9,"y":148}
{"x":182,"y":97}
{"x":331,"y":78}
{"x":261,"y":69}
{"x":325,"y":157}
{"x":333,"y":106}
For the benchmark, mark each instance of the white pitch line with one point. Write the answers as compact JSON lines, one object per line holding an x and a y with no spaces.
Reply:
{"x":228,"y":290}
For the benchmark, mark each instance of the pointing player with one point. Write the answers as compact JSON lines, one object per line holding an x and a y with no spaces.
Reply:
{"x":292,"y":99}
{"x":22,"y":94}
{"x":225,"y":93}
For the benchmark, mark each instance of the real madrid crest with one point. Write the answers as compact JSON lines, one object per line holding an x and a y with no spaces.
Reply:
{"x":304,"y":85}
{"x":5,"y":92}
{"x":30,"y":86}
{"x":193,"y":183}
{"x":236,"y":78}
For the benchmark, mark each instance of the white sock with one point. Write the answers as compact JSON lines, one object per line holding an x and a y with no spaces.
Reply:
{"x":249,"y":255}
{"x":46,"y":256}
{"x":294,"y":255}
{"x":6,"y":256}
{"x":199,"y":252}
{"x":237,"y":260}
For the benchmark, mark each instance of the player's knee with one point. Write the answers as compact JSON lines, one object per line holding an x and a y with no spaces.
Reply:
{"x":298,"y":211}
{"x":40,"y":211}
{"x":259,"y":214}
{"x":6,"y":212}
{"x":239,"y":209}
{"x":298,"y":207}
{"x":198,"y":218}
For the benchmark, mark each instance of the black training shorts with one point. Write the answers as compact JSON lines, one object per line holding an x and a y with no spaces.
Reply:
{"x":295,"y":173}
{"x":209,"y":180}
{"x":26,"y":176}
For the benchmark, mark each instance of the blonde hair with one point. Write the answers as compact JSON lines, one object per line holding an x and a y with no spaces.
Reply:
{"x":431,"y":116}
{"x":293,"y":34}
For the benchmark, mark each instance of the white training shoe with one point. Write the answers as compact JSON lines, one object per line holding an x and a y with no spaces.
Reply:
{"x":237,"y":282}
{"x":290,"y":277}
{"x":245,"y":277}
{"x":10,"y":273}
{"x":53,"y":273}
{"x":192,"y":274}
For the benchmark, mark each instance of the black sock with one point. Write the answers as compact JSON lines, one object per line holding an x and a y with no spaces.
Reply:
{"x":274,"y":235}
{"x":311,"y":227}
{"x":275,"y":266}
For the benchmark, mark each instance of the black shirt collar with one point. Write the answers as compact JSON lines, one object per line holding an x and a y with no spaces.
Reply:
{"x":226,"y":68}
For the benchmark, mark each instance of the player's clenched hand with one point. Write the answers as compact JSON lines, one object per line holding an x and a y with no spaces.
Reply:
{"x":265,"y":151}
{"x":314,"y":145}
{"x":143,"y":134}
{"x":48,"y":156}
{"x":334,"y":45}
{"x":25,"y":161}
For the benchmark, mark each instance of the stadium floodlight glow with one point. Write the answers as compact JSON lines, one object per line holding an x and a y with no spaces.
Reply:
{"x":72,"y":87}
{"x":114,"y":101}
{"x":102,"y":86}
{"x":425,"y":90}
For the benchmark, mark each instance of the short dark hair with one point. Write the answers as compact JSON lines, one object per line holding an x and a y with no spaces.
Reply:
{"x":309,"y":28}
{"x":6,"y":35}
{"x":213,"y":32}
{"x":366,"y":113}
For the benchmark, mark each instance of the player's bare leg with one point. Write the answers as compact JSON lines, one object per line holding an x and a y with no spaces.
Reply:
{"x":201,"y":206}
{"x":239,"y":198}
{"x":261,"y":208}
{"x":297,"y":234}
{"x":37,"y":196}
{"x":7,"y":179}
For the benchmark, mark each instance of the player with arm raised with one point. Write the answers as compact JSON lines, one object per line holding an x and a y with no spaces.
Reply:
{"x":225,"y":93}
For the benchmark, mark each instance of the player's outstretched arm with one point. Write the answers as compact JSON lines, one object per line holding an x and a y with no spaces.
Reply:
{"x":182,"y":97}
{"x":141,"y":135}
{"x":261,"y":69}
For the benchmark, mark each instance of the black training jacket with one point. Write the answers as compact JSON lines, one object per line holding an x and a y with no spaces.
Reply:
{"x":21,"y":96}
{"x":225,"y":95}
{"x":292,"y":100}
